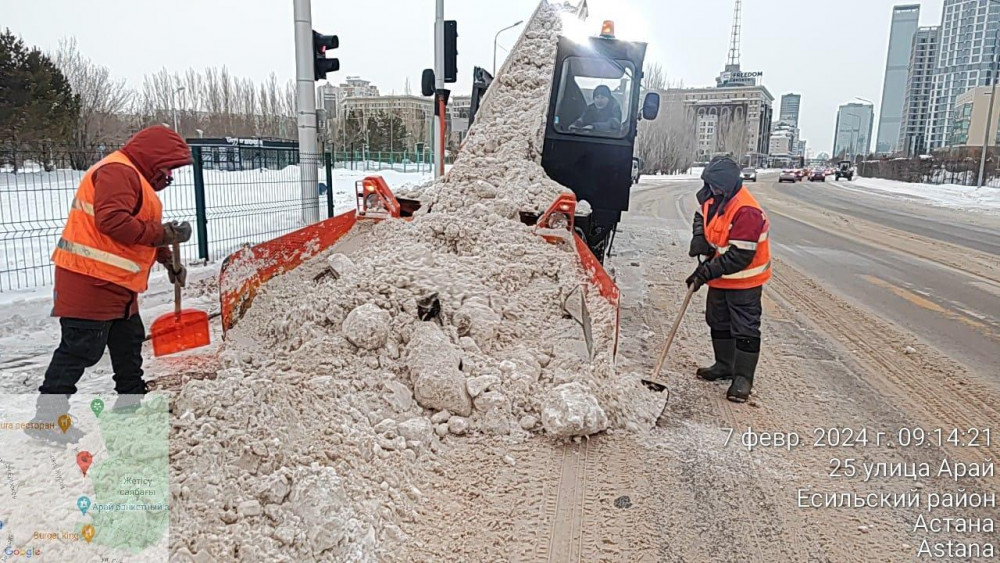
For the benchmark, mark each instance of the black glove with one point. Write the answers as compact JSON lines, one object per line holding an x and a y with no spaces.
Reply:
{"x":175,"y":232}
{"x":705,"y":272}
{"x":179,"y":276}
{"x":700,"y":247}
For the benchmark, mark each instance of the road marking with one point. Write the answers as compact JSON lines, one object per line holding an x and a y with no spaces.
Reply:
{"x":929,"y":305}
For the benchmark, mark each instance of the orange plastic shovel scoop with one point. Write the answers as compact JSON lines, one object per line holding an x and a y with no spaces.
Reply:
{"x":181,"y":330}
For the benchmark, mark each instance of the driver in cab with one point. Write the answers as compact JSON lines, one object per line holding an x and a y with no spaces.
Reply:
{"x":605,"y":114}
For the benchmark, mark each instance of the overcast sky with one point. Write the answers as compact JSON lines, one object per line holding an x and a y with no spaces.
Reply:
{"x":830,"y":51}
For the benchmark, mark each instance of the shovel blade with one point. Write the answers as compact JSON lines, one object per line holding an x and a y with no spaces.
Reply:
{"x":176,"y":332}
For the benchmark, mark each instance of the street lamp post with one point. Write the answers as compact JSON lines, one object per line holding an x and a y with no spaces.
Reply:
{"x":495,"y":38}
{"x":989,"y":115}
{"x":174,"y":99}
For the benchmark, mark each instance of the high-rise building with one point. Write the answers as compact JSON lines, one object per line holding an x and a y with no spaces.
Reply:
{"x":964,"y":61}
{"x":789,"y":111}
{"x":853,"y":133}
{"x":919,"y":86}
{"x":905,"y":21}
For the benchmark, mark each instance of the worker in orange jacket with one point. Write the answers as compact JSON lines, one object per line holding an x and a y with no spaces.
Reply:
{"x":731,"y":230}
{"x":114,"y":234}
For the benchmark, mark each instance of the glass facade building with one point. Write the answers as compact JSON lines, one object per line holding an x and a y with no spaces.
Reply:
{"x":853,"y":133}
{"x":905,"y":21}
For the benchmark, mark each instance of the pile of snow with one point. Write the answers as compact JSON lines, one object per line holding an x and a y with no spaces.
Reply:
{"x":944,"y":195}
{"x":346,"y":377}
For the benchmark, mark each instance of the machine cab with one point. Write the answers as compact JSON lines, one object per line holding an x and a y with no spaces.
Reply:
{"x":593,"y":115}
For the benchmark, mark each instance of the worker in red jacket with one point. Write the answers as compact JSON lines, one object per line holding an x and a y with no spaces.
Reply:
{"x":113,"y":236}
{"x":731,"y":231}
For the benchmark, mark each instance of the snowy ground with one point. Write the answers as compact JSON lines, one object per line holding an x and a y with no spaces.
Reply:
{"x":985,"y":199}
{"x":243,"y":206}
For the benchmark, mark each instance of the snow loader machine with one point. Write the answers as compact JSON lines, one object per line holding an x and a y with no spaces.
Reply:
{"x":593,"y":159}
{"x":589,"y":149}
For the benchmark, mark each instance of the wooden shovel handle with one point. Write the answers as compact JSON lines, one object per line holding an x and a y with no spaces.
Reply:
{"x":673,"y":332}
{"x":176,"y":249}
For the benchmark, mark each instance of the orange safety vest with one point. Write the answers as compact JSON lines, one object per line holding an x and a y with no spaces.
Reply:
{"x":717,"y":234}
{"x":85,"y":250}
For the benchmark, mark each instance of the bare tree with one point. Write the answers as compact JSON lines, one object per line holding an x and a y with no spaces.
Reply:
{"x":653,"y":78}
{"x":104,"y":100}
{"x":733,"y":135}
{"x":667,"y":144}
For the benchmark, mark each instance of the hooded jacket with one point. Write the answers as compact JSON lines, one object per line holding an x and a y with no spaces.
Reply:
{"x":155,"y":151}
{"x":723,"y":180}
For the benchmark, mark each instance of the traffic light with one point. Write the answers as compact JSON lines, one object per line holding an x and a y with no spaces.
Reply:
{"x":321,"y":64}
{"x":450,"y":51}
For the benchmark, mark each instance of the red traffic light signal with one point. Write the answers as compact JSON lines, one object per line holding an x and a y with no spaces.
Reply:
{"x":321,"y":64}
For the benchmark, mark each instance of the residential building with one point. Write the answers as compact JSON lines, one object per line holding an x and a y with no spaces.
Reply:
{"x":853,"y":133}
{"x":331,"y":98}
{"x":780,"y":148}
{"x":919,"y":87}
{"x":964,"y":61}
{"x":789,"y":111}
{"x":970,"y":116}
{"x":800,"y":148}
{"x":730,"y":119}
{"x":416,"y":113}
{"x":905,"y":21}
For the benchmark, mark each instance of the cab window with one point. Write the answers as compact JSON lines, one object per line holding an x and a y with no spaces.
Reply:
{"x":595,"y":97}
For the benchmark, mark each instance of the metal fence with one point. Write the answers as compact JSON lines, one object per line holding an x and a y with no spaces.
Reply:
{"x":961,"y":171}
{"x":231,"y":196}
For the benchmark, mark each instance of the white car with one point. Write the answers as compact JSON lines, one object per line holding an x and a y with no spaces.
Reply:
{"x":750,"y":174}
{"x":788,"y":176}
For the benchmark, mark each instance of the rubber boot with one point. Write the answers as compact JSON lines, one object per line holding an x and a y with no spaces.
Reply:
{"x":725,"y":349}
{"x":745,"y":364}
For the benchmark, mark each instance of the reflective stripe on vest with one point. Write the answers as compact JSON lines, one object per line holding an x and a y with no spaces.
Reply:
{"x":744,"y":274}
{"x":82,"y":206}
{"x":84,"y":249}
{"x":717,"y":231}
{"x":99,"y":255}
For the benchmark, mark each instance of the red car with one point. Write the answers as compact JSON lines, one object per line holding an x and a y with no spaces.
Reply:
{"x":799,"y":174}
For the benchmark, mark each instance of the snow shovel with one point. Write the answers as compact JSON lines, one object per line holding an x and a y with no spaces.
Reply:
{"x":651,"y":383}
{"x":183,"y":329}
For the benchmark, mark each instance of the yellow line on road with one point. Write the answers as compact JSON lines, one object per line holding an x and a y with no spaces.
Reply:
{"x":929,"y":305}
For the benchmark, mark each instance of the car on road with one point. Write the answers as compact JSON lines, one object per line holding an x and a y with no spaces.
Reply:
{"x":750,"y":174}
{"x":635,"y":171}
{"x":799,"y":174}
{"x":817,"y":175}
{"x":788,"y":175}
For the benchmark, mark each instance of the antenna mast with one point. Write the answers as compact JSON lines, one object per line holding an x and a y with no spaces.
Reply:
{"x":734,"y":43}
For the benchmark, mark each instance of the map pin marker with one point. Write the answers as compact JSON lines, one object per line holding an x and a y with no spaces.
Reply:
{"x":65,"y":422}
{"x":97,"y":406}
{"x":88,"y":532}
{"x":83,"y":503}
{"x":84,"y":459}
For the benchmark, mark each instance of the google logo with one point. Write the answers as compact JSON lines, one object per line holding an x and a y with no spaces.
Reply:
{"x":29,"y":553}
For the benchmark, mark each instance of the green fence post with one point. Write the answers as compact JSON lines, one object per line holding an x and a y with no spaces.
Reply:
{"x":329,"y":185}
{"x":201,"y":213}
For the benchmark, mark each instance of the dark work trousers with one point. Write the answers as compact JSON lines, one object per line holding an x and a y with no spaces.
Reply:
{"x":82,"y":346}
{"x":735,"y":312}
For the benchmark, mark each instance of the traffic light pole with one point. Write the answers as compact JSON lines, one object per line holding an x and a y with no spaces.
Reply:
{"x":305,"y":83}
{"x":439,"y":85}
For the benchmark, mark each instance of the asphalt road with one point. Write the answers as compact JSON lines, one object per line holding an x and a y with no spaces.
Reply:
{"x":815,"y":229}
